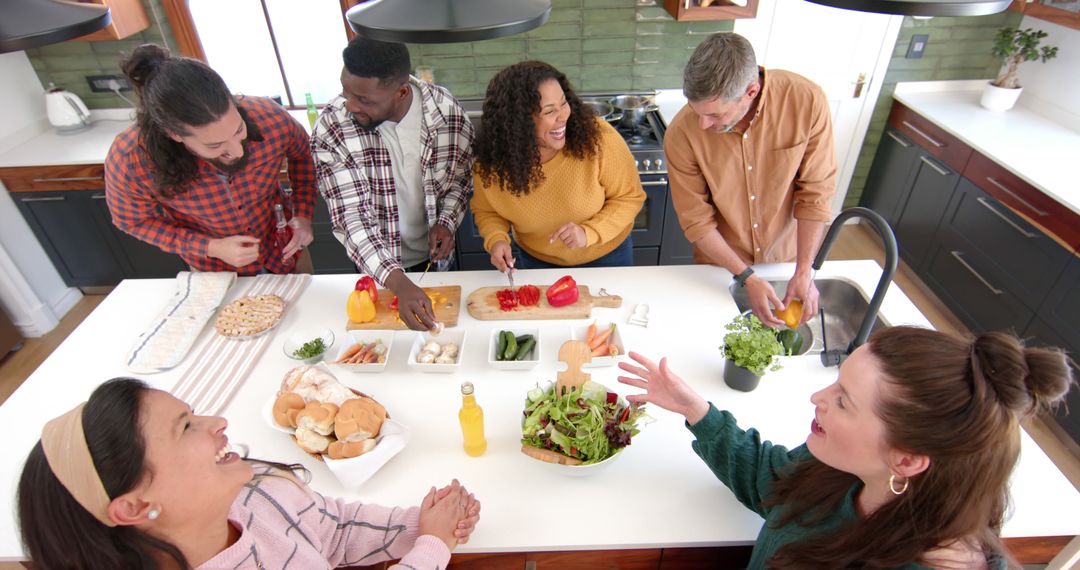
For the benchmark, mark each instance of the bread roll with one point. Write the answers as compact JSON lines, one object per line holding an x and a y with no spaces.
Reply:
{"x":340,"y":450}
{"x":315,"y":383}
{"x":318,"y":417}
{"x":310,"y":441}
{"x":359,"y":419}
{"x":286,"y":407}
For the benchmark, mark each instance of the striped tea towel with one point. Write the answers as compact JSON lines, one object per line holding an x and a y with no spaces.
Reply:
{"x":169,"y":337}
{"x":224,"y":363}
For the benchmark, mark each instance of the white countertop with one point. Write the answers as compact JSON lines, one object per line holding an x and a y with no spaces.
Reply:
{"x":1039,"y":149}
{"x":659,"y":493}
{"x":670,"y":101}
{"x":42,"y":145}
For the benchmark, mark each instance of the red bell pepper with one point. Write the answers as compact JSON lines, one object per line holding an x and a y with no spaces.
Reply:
{"x":528,"y":295}
{"x":393,"y":304}
{"x":563,"y":292}
{"x":366,"y":283}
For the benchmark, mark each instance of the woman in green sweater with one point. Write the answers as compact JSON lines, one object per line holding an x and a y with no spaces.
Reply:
{"x":548,"y":169}
{"x":908,"y":458}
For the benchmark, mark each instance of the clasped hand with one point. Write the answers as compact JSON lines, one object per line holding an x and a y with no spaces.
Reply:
{"x":449,"y":514}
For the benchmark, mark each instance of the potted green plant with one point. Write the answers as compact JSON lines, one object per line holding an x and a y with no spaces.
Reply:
{"x":750,"y":348}
{"x":1014,"y":46}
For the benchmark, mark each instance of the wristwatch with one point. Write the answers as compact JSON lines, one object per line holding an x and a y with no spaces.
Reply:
{"x":742,"y":277}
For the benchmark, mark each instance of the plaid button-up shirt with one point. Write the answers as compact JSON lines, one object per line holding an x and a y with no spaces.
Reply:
{"x":215,"y":205}
{"x":356,"y":179}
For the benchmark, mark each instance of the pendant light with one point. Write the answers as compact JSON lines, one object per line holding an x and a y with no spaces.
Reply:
{"x":921,"y":7}
{"x":33,"y":23}
{"x":446,"y":21}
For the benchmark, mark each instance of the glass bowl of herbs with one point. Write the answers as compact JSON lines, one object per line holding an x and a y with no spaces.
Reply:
{"x":308,"y":345}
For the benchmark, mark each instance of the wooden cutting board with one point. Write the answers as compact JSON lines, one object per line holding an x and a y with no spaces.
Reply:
{"x":446,"y":312}
{"x":483,"y":305}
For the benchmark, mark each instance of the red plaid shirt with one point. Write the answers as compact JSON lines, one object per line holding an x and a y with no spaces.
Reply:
{"x":357,"y":180}
{"x":214,"y":206}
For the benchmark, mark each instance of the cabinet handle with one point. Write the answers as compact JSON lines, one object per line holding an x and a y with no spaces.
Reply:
{"x":986,"y":204}
{"x":661,"y":182}
{"x":71,"y":179}
{"x":98,"y":197}
{"x":44,"y":199}
{"x":936,"y":168}
{"x":923,"y":134}
{"x":1003,"y":188}
{"x":958,"y":255}
{"x":898,"y":140}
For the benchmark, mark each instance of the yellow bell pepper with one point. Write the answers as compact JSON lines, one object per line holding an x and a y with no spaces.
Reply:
{"x":360,"y":307}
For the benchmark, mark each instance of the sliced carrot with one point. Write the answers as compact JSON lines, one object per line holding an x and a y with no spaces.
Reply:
{"x":601,"y":350}
{"x":602,"y":338}
{"x":591,"y":334}
{"x":349,"y":353}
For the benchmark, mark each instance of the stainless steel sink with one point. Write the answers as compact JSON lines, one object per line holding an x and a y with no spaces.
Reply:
{"x":844,"y":307}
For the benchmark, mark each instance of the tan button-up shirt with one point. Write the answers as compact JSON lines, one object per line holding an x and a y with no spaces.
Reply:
{"x":752,"y":186}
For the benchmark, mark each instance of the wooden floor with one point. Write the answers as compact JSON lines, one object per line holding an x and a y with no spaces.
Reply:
{"x":855,"y":242}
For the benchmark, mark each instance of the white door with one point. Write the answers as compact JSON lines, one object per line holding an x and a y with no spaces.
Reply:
{"x":834,"y":48}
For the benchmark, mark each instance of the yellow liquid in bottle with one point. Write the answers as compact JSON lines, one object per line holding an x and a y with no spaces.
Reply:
{"x":471,"y":417}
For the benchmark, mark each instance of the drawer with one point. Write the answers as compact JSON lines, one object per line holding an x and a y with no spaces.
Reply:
{"x":1062,"y":306}
{"x":1025,"y":199}
{"x":1028,"y":261}
{"x":943,"y":146}
{"x":971,"y":287}
{"x":45,"y":178}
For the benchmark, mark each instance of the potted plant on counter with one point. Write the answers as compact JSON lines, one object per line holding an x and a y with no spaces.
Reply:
{"x":750,"y":348}
{"x":1014,"y":46}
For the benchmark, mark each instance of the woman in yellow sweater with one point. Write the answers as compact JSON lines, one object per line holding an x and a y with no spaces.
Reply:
{"x":548,"y":169}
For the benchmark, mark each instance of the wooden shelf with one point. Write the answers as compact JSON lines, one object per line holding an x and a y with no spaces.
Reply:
{"x":128,"y":18}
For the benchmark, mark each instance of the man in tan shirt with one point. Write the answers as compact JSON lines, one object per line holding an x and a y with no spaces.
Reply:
{"x":752,"y":169}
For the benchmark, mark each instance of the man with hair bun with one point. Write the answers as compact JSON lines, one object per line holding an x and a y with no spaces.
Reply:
{"x":752,"y":168}
{"x":393,"y":159}
{"x":197,"y":174}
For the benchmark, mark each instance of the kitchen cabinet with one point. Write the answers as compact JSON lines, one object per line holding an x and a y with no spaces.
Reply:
{"x":691,"y":10}
{"x":65,"y":225}
{"x":675,"y":249}
{"x":890,"y":180}
{"x":128,"y":18}
{"x":137,"y":258}
{"x":1062,"y":12}
{"x":920,"y":215}
{"x":327,"y":253}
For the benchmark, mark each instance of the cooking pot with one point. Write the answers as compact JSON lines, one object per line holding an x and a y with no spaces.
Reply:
{"x":603,"y":109}
{"x":634,"y":109}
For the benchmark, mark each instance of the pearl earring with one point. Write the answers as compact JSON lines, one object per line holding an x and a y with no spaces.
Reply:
{"x":153,"y":514}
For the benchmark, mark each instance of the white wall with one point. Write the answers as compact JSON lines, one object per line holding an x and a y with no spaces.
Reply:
{"x":1054,"y":87}
{"x":31,"y":290}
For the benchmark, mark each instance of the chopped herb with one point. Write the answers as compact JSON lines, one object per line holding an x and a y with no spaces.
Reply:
{"x":311,"y":348}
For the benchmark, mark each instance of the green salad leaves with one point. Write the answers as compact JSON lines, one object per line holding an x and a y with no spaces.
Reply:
{"x":589,"y":423}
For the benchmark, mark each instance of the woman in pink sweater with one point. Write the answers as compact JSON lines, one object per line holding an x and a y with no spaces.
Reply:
{"x":133,"y":479}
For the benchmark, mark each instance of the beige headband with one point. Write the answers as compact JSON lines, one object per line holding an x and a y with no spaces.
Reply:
{"x":65,"y":448}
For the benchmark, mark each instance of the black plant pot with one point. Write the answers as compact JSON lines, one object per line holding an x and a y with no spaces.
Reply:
{"x":739,"y":378}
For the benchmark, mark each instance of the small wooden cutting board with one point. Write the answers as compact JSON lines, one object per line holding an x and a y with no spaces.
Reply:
{"x":483,"y":305}
{"x":446,"y":312}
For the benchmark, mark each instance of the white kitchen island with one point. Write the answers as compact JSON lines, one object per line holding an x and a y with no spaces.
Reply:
{"x":657,"y":494}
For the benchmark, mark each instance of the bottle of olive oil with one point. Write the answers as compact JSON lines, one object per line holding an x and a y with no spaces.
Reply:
{"x":471,"y":417}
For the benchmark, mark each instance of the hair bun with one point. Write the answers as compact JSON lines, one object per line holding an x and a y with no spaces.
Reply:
{"x":142,"y":63}
{"x":1025,"y":380}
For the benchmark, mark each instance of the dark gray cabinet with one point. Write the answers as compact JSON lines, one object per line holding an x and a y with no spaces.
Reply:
{"x":892,"y":175}
{"x":1067,"y":416}
{"x":78,"y":245}
{"x":920,"y":215}
{"x":327,"y":253}
{"x":675,"y":249}
{"x":137,"y":258}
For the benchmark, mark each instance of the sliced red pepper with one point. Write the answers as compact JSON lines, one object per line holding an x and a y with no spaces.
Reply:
{"x":393,"y":304}
{"x":528,"y":295}
{"x":507,"y":300}
{"x":366,"y":283}
{"x":563,"y":292}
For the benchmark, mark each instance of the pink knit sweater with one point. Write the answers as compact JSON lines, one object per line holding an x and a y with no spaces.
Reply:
{"x":285,"y":525}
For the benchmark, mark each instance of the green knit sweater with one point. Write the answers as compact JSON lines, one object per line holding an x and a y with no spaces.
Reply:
{"x":748,"y":466}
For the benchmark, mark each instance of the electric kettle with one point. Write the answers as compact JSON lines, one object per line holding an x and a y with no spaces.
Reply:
{"x":65,"y":110}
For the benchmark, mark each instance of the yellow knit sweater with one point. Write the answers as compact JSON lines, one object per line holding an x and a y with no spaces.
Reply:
{"x":602,"y":194}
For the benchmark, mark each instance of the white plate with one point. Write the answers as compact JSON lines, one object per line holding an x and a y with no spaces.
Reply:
{"x":354,"y":337}
{"x":526,"y":363}
{"x":580,"y":332}
{"x":455,"y":335}
{"x":352,"y":472}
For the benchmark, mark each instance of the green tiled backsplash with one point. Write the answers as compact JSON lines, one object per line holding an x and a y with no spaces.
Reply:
{"x":601,"y":45}
{"x":959,"y":48}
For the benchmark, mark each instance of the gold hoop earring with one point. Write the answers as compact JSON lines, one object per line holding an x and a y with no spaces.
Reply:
{"x":892,"y":485}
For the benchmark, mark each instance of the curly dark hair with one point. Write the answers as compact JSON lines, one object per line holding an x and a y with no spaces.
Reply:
{"x":176,"y":93}
{"x":506,"y":150}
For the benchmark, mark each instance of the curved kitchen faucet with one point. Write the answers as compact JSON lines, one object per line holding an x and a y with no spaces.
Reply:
{"x":836,"y":356}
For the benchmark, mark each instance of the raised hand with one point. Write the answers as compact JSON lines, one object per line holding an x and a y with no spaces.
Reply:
{"x":663,"y":388}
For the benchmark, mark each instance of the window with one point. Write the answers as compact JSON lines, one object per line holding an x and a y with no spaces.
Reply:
{"x":272,"y":48}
